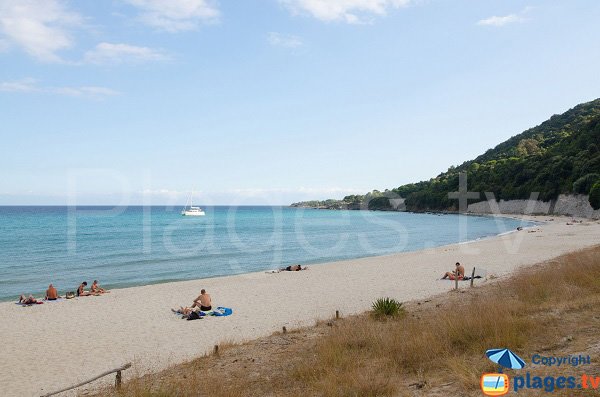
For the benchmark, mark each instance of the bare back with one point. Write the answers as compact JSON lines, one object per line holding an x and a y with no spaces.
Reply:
{"x":51,"y":293}
{"x":205,"y":300}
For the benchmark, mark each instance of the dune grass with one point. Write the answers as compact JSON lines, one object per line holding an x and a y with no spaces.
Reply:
{"x":435,"y":349}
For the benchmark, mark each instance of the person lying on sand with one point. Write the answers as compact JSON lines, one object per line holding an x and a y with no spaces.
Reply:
{"x":183,"y":310}
{"x":203,"y":301}
{"x":27,"y":301}
{"x":294,"y":268}
{"x":95,"y":289}
{"x":81,"y":289}
{"x":187,"y":313}
{"x":51,"y":293}
{"x":459,"y":271}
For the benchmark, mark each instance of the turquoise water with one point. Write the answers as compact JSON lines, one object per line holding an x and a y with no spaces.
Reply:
{"x":128,"y":246}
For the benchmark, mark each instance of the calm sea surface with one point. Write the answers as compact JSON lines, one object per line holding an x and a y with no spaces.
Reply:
{"x":128,"y":246}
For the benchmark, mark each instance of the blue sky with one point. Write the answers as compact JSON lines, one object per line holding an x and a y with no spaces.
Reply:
{"x":273,"y":101}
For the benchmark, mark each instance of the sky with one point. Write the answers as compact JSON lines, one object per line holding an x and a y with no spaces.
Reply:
{"x":273,"y":101}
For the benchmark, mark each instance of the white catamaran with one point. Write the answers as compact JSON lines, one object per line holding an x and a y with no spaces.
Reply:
{"x":190,"y":210}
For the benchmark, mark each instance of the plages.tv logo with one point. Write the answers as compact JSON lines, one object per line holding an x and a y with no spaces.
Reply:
{"x":498,"y":384}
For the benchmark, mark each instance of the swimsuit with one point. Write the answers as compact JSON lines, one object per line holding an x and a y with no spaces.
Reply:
{"x":205,"y":308}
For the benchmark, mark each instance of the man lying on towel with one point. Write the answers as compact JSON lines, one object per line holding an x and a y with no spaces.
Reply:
{"x":458,"y":272}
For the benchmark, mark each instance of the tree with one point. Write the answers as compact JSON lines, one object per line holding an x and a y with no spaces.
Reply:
{"x":595,"y":196}
{"x":584,"y":184}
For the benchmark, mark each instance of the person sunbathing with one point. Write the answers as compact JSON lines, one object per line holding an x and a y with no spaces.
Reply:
{"x":183,"y":310}
{"x":458,"y":272}
{"x":27,"y":301}
{"x":81,"y":289}
{"x":95,"y":289}
{"x":188,"y":313}
{"x":294,"y":268}
{"x":51,"y":293}
{"x":203,"y":301}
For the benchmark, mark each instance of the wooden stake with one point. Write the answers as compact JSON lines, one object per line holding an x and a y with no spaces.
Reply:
{"x":284,"y":329}
{"x":117,"y":370}
{"x":337,"y":314}
{"x":472,"y":277}
{"x":217,"y":350}
{"x":118,"y":380}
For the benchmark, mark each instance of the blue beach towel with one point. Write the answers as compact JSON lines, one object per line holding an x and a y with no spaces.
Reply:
{"x":222,"y":311}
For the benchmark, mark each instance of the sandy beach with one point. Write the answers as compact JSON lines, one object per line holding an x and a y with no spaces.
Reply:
{"x":54,"y":345}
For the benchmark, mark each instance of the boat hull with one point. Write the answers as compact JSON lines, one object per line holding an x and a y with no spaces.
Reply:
{"x":192,"y":213}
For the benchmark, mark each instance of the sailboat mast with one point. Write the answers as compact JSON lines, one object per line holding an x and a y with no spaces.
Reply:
{"x":187,"y":203}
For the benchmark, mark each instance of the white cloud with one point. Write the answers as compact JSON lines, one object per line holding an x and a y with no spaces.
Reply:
{"x":283,"y":40}
{"x":108,"y":53}
{"x":499,"y":21}
{"x":40,"y":28}
{"x":29,"y":85}
{"x":85,"y":91}
{"x":23,"y":85}
{"x":175,"y":15}
{"x":350,"y":11}
{"x":4,"y":45}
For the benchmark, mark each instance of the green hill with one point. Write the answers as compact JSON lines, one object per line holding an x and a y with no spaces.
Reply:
{"x":561,"y":155}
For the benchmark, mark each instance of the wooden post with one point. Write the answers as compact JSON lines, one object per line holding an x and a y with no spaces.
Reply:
{"x":216,"y":350}
{"x":472,"y":277}
{"x":337,"y":314}
{"x":284,"y":329}
{"x":456,"y":280}
{"x":118,"y":380}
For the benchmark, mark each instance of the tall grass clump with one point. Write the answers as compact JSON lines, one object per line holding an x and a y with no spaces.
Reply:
{"x":385,"y":307}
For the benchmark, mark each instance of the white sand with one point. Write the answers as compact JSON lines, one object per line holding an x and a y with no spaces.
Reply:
{"x":54,"y":345}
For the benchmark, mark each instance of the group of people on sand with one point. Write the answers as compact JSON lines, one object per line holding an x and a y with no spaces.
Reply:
{"x":52,"y":293}
{"x":203,"y":303}
{"x":95,"y":289}
{"x":293,"y":268}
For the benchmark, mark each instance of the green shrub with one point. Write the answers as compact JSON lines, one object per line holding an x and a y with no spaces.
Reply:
{"x":387,"y":307}
{"x":584,"y":184}
{"x":595,"y":196}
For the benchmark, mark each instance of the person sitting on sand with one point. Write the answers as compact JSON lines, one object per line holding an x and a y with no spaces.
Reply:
{"x":27,"y":301}
{"x":294,"y":268}
{"x":81,"y":289}
{"x":203,"y":301}
{"x":96,"y":288}
{"x":51,"y":293}
{"x":459,"y":271}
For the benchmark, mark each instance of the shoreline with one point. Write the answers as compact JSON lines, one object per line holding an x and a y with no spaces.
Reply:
{"x":135,"y":323}
{"x":38,"y":294}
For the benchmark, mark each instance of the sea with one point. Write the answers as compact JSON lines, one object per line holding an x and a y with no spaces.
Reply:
{"x":130,"y":246}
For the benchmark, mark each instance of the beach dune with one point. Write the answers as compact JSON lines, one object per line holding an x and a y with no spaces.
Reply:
{"x":47,"y":347}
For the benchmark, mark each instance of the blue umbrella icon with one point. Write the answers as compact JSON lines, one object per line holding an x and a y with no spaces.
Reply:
{"x":505,"y":358}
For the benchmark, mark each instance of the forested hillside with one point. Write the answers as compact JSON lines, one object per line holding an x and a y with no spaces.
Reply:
{"x":561,"y":155}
